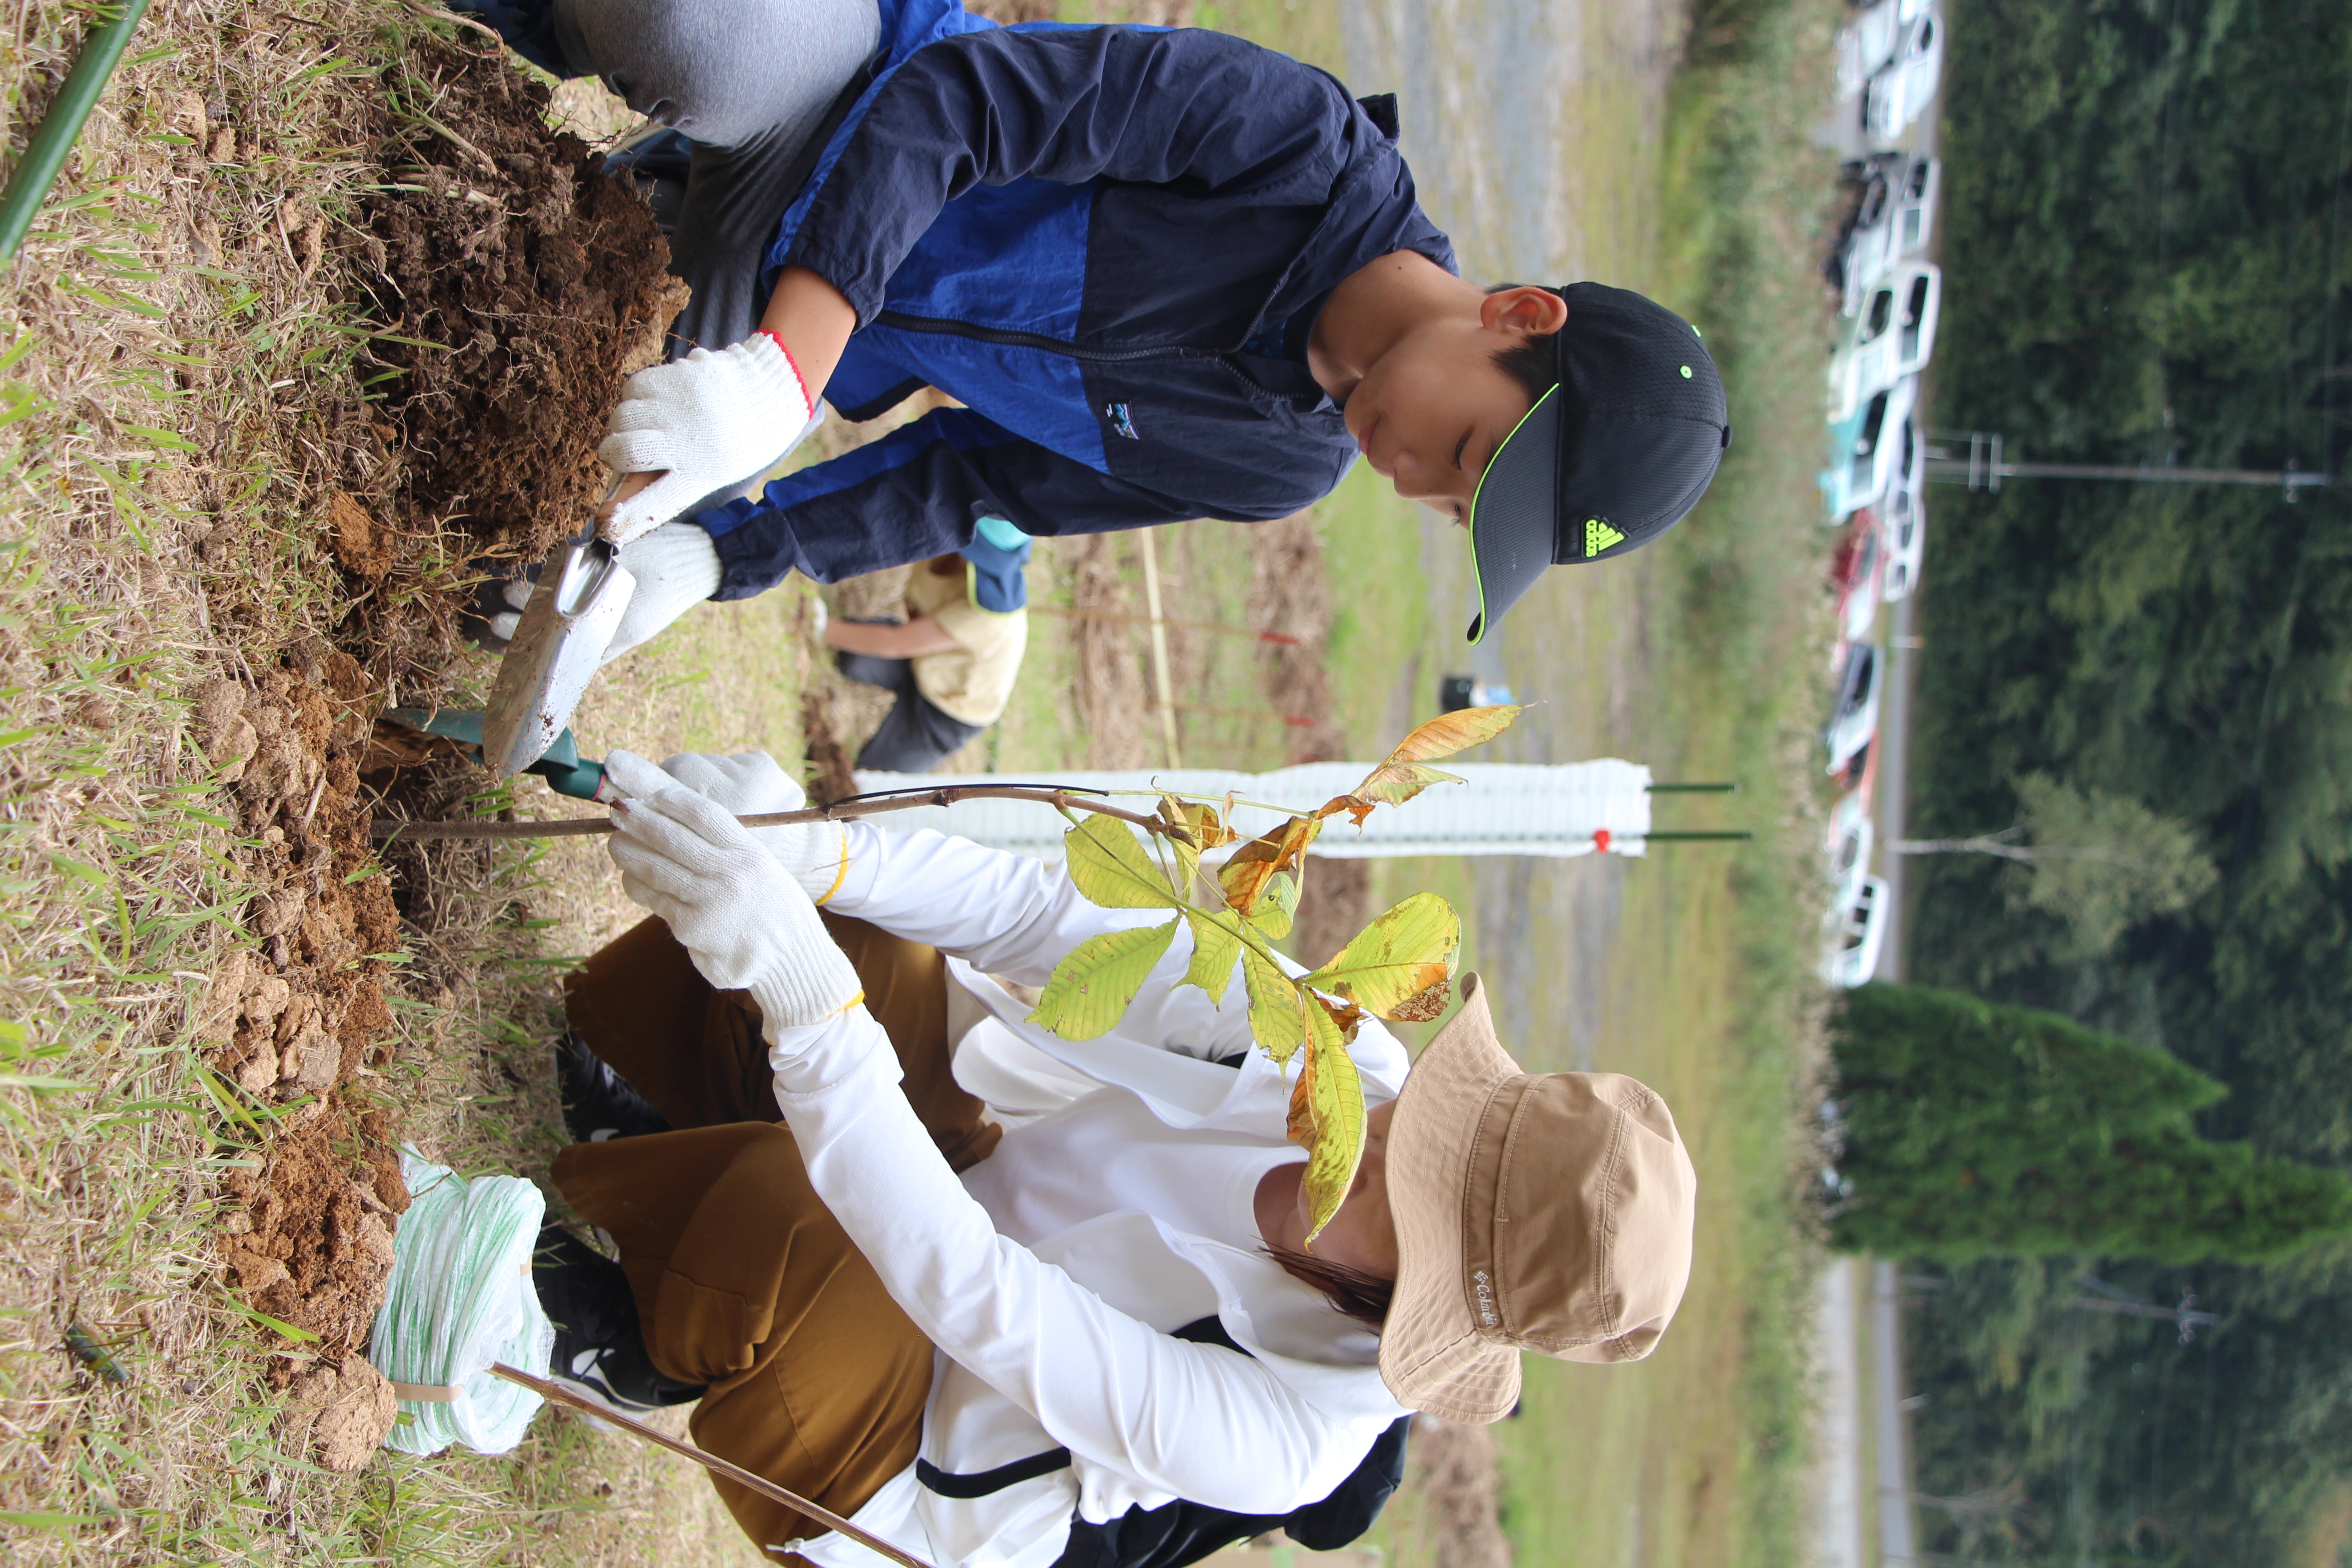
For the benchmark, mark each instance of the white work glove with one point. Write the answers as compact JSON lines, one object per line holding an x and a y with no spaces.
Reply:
{"x":677,"y":567}
{"x":704,"y":422}
{"x":747,"y":926}
{"x":811,"y":853}
{"x":516,"y":592}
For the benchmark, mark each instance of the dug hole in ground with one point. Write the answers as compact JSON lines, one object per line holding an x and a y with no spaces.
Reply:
{"x":325,"y":312}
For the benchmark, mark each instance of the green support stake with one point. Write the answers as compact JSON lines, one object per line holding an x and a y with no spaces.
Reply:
{"x":1694,"y":789}
{"x":1695,"y":835}
{"x":45,"y":155}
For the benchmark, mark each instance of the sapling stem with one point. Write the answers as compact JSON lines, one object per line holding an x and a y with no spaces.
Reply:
{"x":556,"y":1394}
{"x":1062,"y":800}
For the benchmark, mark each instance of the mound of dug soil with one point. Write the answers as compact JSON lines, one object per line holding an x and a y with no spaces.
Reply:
{"x":543,"y":283}
{"x":291,"y":1022}
{"x":538,"y":285}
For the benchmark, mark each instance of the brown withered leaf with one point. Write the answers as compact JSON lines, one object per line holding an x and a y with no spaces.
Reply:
{"x":1256,"y":863}
{"x":1404,"y":773}
{"x":1424,"y":1006}
{"x":1194,"y":828}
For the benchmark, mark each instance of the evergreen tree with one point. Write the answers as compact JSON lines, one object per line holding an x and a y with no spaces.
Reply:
{"x":1973,"y":1129}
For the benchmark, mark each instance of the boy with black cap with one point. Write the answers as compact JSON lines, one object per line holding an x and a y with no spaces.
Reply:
{"x":1167,"y":273}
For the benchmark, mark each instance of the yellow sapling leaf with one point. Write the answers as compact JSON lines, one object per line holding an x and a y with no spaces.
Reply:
{"x":1326,"y":1117}
{"x":1278,"y":1008}
{"x":1400,"y":965}
{"x":1092,"y":987}
{"x":1215,"y":946}
{"x":1111,"y":868}
{"x":1278,"y":906}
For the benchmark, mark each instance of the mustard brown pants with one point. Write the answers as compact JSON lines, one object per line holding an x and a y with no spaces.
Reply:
{"x":743,"y":1279}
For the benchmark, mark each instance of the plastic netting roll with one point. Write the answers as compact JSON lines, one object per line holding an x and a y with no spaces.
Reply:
{"x":461,"y":1298}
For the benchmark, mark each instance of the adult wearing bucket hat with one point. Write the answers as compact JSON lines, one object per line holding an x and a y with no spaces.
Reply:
{"x":1137,"y":1360}
{"x":1548,"y":1212}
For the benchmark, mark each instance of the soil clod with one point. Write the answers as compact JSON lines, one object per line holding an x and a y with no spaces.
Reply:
{"x":526,"y":286}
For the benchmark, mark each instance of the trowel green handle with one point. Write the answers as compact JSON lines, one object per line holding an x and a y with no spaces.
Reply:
{"x":45,"y":155}
{"x":565,"y":769}
{"x":582,"y":781}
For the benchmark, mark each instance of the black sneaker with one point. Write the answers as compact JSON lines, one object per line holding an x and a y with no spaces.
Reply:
{"x":600,"y":1351}
{"x":598,"y":1102}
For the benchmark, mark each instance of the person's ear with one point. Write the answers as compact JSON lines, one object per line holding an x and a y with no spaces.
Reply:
{"x":1525,"y":309}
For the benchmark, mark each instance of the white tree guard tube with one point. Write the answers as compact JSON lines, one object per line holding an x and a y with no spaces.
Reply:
{"x":461,"y":1298}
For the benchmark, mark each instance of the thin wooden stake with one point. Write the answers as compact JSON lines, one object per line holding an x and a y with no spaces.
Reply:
{"x":1159,"y":647}
{"x":556,"y":1394}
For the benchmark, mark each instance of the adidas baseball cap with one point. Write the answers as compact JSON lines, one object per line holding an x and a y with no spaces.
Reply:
{"x":1606,"y":461}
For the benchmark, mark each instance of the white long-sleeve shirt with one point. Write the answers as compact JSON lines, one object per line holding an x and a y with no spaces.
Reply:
{"x":1049,"y":1284}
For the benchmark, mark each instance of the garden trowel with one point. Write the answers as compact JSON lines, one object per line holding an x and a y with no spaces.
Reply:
{"x":407,"y":735}
{"x":573,"y":611}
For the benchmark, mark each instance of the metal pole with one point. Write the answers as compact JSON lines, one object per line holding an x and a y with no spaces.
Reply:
{"x":1986,"y":466}
{"x":1970,"y":470}
{"x":1694,"y":835}
{"x":45,"y":155}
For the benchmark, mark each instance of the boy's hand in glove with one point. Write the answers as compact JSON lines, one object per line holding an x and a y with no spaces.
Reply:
{"x":702,"y":422}
{"x":745,"y":923}
{"x":751,"y":783}
{"x":677,"y":567}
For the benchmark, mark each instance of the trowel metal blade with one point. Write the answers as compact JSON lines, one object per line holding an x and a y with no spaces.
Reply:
{"x":573,"y":611}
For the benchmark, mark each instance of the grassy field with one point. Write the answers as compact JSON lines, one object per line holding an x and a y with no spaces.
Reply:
{"x":175,"y":375}
{"x":1689,"y":968}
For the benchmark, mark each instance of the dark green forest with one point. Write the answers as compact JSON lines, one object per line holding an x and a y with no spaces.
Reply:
{"x":1971,"y":1129}
{"x":2145,"y":240}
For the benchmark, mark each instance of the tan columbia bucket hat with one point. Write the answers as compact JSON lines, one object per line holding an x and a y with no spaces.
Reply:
{"x":1548,"y":1213}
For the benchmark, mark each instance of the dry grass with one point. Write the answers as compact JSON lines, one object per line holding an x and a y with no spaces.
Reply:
{"x":158,"y":320}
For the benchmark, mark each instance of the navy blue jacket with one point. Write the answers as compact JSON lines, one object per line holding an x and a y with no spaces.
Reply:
{"x":1092,"y":238}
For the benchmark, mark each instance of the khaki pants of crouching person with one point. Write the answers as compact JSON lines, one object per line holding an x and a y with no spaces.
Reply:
{"x":743,"y":1279}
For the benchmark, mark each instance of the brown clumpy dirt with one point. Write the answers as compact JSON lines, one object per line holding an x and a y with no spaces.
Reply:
{"x":339,"y":1412}
{"x":292,"y":1021}
{"x":546,"y":283}
{"x":315,"y":1246}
